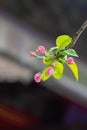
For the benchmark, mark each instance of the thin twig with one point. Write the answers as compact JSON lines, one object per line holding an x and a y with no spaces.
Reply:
{"x":78,"y":33}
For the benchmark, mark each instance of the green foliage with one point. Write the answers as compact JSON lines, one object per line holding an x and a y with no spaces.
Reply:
{"x":74,"y":69}
{"x":57,"y":56}
{"x":47,"y":60}
{"x":53,"y":49}
{"x":58,"y":70}
{"x":71,"y":52}
{"x":63,"y":41}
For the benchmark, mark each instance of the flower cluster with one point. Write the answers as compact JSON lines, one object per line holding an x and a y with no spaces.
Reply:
{"x":55,"y":58}
{"x":49,"y":70}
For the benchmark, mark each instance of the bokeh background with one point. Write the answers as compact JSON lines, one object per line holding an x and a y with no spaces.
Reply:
{"x":51,"y":105}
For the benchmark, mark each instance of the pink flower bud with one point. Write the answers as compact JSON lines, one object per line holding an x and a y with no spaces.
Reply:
{"x":40,"y":49}
{"x":70,"y":60}
{"x":49,"y":71}
{"x":37,"y":77}
{"x":31,"y":53}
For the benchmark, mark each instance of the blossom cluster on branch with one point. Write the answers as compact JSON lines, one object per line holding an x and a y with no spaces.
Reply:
{"x":55,"y":58}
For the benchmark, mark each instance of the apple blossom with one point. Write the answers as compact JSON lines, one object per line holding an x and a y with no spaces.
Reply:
{"x":49,"y":71}
{"x":40,"y":49}
{"x":37,"y":77}
{"x":70,"y":60}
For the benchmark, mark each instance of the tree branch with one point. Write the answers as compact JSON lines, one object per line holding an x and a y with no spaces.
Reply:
{"x":77,"y":35}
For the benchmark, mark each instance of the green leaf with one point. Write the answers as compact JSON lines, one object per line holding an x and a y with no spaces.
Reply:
{"x":62,"y":60}
{"x":43,"y":74}
{"x":74,"y":69}
{"x":58,"y":70}
{"x":63,"y":41}
{"x":53,"y":49}
{"x":47,"y":61}
{"x":62,"y":54}
{"x":71,"y":52}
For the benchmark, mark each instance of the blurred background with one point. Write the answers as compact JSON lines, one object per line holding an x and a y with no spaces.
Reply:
{"x":50,"y":105}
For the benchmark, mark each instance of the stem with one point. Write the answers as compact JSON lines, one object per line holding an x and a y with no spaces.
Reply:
{"x":41,"y":57}
{"x":77,"y":35}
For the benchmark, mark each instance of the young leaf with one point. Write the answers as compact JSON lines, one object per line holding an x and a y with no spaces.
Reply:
{"x":43,"y":74}
{"x":62,"y":60}
{"x":62,"y":54}
{"x":53,"y":49}
{"x":47,"y":60}
{"x":58,"y":70}
{"x":74,"y":69}
{"x":63,"y":41}
{"x":71,"y":52}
